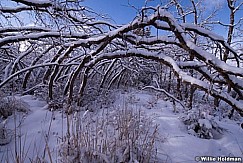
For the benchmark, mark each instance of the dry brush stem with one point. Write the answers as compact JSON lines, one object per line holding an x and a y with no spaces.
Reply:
{"x":118,"y":135}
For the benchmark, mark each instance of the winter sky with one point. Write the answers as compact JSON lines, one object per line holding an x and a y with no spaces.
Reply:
{"x":124,"y":11}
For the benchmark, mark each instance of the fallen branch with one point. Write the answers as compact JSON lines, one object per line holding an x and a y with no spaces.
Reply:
{"x":166,"y":93}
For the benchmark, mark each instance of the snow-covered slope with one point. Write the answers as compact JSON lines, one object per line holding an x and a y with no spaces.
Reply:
{"x":41,"y":131}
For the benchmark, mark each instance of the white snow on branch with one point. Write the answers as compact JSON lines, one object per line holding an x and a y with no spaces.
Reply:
{"x":38,"y":3}
{"x":26,"y":28}
{"x":203,"y":31}
{"x":24,"y":70}
{"x":35,"y":36}
{"x":214,"y":61}
{"x":172,"y":63}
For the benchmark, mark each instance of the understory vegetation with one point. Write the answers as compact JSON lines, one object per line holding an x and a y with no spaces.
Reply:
{"x":124,"y":135}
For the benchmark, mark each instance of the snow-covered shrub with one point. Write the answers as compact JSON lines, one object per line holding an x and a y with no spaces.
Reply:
{"x":94,"y":99}
{"x":5,"y":137}
{"x":10,"y":104}
{"x":200,"y":123}
{"x":225,"y":111}
{"x":120,"y":135}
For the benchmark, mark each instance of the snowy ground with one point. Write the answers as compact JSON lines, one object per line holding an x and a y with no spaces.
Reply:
{"x":176,"y":145}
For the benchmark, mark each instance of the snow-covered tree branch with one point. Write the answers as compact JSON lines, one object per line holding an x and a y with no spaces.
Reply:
{"x":66,"y":44}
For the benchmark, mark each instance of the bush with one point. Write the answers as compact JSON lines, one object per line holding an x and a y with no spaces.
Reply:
{"x":200,"y":123}
{"x":8,"y":105}
{"x":122,"y":135}
{"x":5,"y":137}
